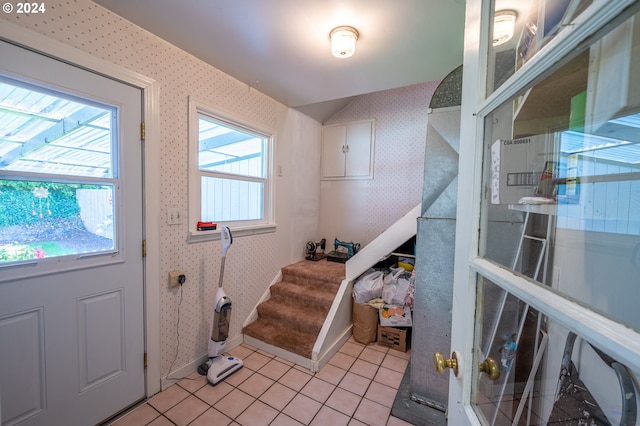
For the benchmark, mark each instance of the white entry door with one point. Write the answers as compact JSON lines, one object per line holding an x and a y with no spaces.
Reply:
{"x":71,"y":262}
{"x":548,"y":240}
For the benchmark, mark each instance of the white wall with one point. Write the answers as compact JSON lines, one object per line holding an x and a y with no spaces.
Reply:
{"x":252,"y":261}
{"x":359,"y":210}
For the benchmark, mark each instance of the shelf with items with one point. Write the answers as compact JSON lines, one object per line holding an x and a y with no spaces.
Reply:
{"x":547,"y":105}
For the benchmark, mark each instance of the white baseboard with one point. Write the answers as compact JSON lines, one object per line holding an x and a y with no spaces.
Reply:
{"x":313,"y":365}
{"x":326,"y":356}
{"x":253,"y":316}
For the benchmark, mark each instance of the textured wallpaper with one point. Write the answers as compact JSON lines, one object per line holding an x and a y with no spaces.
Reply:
{"x":359,"y":210}
{"x":356,"y":210}
{"x":253,"y":261}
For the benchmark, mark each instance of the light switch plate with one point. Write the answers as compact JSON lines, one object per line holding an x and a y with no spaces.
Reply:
{"x":174,"y":217}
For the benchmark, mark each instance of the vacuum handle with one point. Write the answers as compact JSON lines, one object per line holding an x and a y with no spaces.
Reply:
{"x":226,"y":238}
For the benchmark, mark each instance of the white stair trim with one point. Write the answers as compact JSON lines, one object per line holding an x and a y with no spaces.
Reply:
{"x":253,"y":316}
{"x":392,"y":238}
{"x":337,"y":326}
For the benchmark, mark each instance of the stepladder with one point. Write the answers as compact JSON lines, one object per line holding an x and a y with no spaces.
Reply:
{"x":531,"y":258}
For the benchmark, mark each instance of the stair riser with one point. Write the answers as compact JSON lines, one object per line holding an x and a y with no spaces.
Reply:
{"x":309,"y":281}
{"x":300,"y":299}
{"x":290,"y":320}
{"x":289,"y":340}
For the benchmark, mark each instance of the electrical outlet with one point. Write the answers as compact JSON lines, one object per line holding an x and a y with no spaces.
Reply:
{"x":174,"y":278}
{"x":174,"y":217}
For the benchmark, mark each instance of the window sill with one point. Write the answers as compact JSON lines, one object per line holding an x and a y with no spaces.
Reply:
{"x":240,"y":231}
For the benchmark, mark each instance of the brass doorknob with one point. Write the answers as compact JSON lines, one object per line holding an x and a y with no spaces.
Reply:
{"x":441,"y":364}
{"x":490,"y":367}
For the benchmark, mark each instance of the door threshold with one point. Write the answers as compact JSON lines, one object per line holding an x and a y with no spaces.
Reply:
{"x":413,"y":412}
{"x":120,"y":414}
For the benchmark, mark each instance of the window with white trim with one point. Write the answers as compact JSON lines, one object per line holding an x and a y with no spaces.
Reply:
{"x":230,"y":179}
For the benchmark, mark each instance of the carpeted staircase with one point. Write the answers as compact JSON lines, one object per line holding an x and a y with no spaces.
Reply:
{"x":292,"y":318}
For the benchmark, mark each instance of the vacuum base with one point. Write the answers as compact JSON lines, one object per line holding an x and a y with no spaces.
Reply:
{"x":222,"y":367}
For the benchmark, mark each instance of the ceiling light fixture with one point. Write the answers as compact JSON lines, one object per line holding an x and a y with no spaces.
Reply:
{"x":504,"y":23}
{"x":343,"y":41}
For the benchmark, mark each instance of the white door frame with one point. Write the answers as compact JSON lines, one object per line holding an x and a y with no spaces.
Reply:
{"x":622,"y":342}
{"x":150,"y":89}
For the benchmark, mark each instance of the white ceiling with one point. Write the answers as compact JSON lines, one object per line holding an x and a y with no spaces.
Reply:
{"x":281,"y":47}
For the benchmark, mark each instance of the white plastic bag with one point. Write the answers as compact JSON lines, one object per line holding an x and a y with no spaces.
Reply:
{"x":396,"y":287}
{"x":368,"y":287}
{"x":393,"y":276}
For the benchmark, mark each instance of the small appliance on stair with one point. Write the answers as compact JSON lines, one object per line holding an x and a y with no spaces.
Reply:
{"x":342,"y":251}
{"x":315,"y":251}
{"x":219,"y":366}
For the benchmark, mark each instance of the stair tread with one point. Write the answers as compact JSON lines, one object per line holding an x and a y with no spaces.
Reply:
{"x":290,"y":317}
{"x":288,"y":306}
{"x":318,"y":272}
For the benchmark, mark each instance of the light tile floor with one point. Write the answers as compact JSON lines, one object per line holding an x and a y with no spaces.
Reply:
{"x":357,"y":387}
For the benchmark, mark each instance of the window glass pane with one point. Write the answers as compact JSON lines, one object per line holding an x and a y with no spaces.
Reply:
{"x":45,"y":132}
{"x":231,"y":200}
{"x":520,"y":30}
{"x":528,"y":350}
{"x":228,"y":150}
{"x":46,"y":219}
{"x":562,"y":172}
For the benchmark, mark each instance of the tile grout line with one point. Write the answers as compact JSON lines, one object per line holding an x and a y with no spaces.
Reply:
{"x":312,"y":375}
{"x":335,"y":387}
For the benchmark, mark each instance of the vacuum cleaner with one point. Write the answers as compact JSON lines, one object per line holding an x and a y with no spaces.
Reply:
{"x":219,"y":366}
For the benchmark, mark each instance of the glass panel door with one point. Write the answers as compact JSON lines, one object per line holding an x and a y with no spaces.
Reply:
{"x":562,"y":170}
{"x":543,"y":373}
{"x":558,"y":246}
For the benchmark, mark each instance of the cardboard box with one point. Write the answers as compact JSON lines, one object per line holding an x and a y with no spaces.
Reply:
{"x":395,"y":316}
{"x":394,"y":338}
{"x":516,"y":168}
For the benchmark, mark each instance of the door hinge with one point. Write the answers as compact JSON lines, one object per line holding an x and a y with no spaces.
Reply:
{"x":145,"y":360}
{"x":144,"y":248}
{"x":142,"y":134}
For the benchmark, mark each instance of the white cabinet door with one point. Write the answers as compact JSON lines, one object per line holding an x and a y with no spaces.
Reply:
{"x":347,"y":151}
{"x":333,"y":148}
{"x":358,"y":155}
